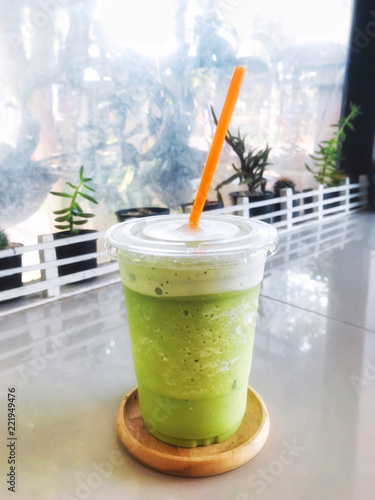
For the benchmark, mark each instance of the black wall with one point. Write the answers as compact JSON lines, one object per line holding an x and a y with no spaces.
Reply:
{"x":359,"y":88}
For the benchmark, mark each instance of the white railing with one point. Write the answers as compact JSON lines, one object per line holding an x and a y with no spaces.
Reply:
{"x":50,"y":285}
{"x":291,"y":211}
{"x":313,"y":208}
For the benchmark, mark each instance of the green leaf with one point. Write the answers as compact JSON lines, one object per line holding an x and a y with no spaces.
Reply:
{"x":64,"y":218}
{"x":81,"y":173}
{"x":71,"y":185}
{"x":64,"y":195}
{"x":80,"y":222}
{"x":77,"y":207}
{"x":63,"y":228}
{"x":87,"y":179}
{"x":88,"y":197}
{"x":82,"y":214}
{"x":63,"y":211}
{"x":227,"y":181}
{"x":88,"y":187}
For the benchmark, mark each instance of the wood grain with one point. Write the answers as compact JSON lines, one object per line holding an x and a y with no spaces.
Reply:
{"x":202,"y":460}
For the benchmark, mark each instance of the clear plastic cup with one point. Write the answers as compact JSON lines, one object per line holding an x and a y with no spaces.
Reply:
{"x":192,"y":297}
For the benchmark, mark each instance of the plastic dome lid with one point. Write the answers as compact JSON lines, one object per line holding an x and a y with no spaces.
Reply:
{"x":171,"y":236}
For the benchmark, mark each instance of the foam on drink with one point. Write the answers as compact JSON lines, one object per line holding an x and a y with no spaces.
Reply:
{"x":167,"y":257}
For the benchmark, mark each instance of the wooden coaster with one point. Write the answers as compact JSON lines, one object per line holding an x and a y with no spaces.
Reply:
{"x":202,"y":460}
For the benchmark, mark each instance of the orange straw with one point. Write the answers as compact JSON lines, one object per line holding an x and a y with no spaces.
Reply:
{"x":217,"y":144}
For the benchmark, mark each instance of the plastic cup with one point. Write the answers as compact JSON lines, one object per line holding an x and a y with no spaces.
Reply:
{"x":191,"y":298}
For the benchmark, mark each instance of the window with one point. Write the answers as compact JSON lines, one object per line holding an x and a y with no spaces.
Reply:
{"x":124,"y":88}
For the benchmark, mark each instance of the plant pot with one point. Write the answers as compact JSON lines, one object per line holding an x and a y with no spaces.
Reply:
{"x":308,"y":199}
{"x":14,"y":280}
{"x":356,"y":190}
{"x":329,"y":196}
{"x":276,"y":207}
{"x":73,"y":250}
{"x":242,"y":197}
{"x":209,"y":205}
{"x":296,"y":203}
{"x":137,"y":213}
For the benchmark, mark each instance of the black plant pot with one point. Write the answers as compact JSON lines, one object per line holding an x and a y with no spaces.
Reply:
{"x":329,"y":196}
{"x":276,"y":207}
{"x":356,"y":199}
{"x":296,"y":203}
{"x":253,"y":212}
{"x":14,"y":280}
{"x":73,"y":250}
{"x":308,"y":199}
{"x":137,"y":213}
{"x":209,"y":205}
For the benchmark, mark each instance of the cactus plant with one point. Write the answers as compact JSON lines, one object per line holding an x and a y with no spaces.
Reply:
{"x":283,"y":184}
{"x":4,"y":242}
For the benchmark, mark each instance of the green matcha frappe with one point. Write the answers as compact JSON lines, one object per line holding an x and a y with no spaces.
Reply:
{"x":191,"y":298}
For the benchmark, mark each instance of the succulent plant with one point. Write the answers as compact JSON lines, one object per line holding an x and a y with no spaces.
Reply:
{"x":283,"y":184}
{"x":327,"y":156}
{"x":252,"y":164}
{"x":73,"y":215}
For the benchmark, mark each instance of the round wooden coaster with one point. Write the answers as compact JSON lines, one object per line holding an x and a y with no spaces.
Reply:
{"x":202,"y":460}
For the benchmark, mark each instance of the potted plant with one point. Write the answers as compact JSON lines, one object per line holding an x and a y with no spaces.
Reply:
{"x":327,"y":156}
{"x":208,"y":205}
{"x":67,"y":219}
{"x":13,"y":280}
{"x":136,"y":213}
{"x":280,"y":184}
{"x":250,"y":173}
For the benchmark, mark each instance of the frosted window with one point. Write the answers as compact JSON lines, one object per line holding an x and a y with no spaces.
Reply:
{"x":124,"y":87}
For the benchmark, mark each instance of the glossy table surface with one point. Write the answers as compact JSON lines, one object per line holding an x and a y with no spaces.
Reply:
{"x":314,"y":365}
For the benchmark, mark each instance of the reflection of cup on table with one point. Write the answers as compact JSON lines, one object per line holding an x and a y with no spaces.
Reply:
{"x":191,"y":297}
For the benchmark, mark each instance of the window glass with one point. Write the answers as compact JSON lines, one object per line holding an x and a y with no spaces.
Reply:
{"x":124,"y":89}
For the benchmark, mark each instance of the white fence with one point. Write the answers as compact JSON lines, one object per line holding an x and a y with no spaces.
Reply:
{"x":291,"y":211}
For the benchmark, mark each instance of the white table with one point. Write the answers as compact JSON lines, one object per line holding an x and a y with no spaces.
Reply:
{"x":314,"y":365}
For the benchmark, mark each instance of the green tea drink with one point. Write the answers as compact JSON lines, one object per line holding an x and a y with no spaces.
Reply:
{"x":191,"y":297}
